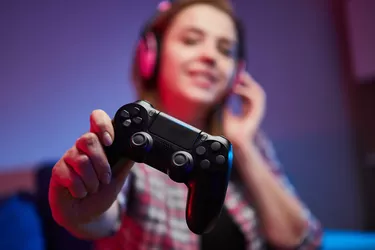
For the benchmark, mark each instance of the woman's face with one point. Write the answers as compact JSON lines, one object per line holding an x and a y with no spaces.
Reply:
{"x":198,"y":55}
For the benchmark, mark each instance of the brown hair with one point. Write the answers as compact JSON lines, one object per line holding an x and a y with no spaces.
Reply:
{"x":159,"y":25}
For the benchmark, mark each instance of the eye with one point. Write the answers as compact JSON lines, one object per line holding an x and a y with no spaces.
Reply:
{"x":190,"y":40}
{"x":227,"y":51}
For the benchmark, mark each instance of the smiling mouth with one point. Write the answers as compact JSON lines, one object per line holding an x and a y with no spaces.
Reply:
{"x":203,"y":78}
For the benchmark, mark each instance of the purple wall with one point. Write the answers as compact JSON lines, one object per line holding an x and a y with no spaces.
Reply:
{"x":62,"y":59}
{"x":361,"y":21}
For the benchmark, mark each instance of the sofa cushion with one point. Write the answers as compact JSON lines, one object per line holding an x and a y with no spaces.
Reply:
{"x":20,"y":224}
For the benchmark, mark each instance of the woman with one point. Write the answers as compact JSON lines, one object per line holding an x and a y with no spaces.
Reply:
{"x":139,"y":207}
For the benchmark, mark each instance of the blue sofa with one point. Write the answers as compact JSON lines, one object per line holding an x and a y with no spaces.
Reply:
{"x":27,"y":224}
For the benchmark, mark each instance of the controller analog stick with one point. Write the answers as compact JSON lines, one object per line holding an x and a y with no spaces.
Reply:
{"x":182,"y":163}
{"x":180,"y":160}
{"x":141,"y":140}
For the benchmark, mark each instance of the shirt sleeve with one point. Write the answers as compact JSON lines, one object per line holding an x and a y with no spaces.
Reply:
{"x":313,"y":234}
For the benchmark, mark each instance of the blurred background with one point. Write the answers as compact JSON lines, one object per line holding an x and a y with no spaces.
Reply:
{"x":59,"y":60}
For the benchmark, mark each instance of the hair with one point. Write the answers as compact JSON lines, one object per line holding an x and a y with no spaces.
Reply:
{"x":159,"y":26}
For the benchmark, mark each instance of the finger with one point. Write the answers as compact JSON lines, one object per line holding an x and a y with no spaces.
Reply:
{"x":246,"y":79}
{"x":66,"y":177}
{"x":242,"y":91}
{"x":101,"y":125}
{"x":90,"y":145}
{"x":247,"y":97}
{"x":250,"y":89}
{"x":83,"y":167}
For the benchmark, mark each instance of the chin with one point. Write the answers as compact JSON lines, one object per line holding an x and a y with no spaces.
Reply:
{"x":200,"y":96}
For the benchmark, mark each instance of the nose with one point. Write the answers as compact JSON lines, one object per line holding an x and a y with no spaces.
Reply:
{"x":209,"y":54}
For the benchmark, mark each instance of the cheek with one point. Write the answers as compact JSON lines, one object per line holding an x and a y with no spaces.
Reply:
{"x":230,"y":72}
{"x":169,"y":69}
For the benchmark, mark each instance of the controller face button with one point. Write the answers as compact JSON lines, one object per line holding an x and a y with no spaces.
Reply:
{"x":125,"y":114}
{"x":180,"y":160}
{"x":134,"y":111}
{"x":205,"y":164}
{"x":200,"y":150}
{"x":137,"y":120}
{"x":127,"y":122}
{"x":220,"y":159}
{"x":139,"y":140}
{"x":215,"y":146}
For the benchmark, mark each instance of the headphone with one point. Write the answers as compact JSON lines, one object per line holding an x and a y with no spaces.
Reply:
{"x":149,"y":47}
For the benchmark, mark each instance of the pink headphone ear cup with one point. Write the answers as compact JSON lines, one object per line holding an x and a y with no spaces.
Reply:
{"x":147,"y":56}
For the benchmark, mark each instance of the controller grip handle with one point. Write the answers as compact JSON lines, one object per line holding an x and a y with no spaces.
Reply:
{"x":206,"y":196}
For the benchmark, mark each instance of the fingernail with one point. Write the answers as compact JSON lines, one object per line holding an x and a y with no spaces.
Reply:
{"x":106,"y":179}
{"x":107,"y":139}
{"x":83,"y":195}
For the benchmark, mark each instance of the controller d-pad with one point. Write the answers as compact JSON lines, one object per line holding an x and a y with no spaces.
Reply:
{"x":215,"y":146}
{"x":200,"y":150}
{"x":134,"y":111}
{"x":127,"y":122}
{"x":205,"y":164}
{"x":220,"y":159}
{"x":125,"y":114}
{"x":137,"y":120}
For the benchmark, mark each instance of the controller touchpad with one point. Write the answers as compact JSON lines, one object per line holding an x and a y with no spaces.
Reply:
{"x":174,"y":131}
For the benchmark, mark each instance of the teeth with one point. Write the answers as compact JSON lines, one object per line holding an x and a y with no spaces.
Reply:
{"x":203,"y":77}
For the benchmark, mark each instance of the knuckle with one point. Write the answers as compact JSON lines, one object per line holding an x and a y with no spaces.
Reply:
{"x":73,"y":182}
{"x":82,"y":161}
{"x":56,"y":170}
{"x":89,"y":139}
{"x":70,"y":153}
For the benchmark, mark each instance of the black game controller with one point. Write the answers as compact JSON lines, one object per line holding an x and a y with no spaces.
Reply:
{"x":186,"y":154}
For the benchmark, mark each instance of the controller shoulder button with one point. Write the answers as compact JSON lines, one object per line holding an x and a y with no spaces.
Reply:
{"x":204,"y":137}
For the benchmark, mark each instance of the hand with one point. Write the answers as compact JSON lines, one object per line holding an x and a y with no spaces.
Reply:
{"x":82,"y":186}
{"x":240,"y":129}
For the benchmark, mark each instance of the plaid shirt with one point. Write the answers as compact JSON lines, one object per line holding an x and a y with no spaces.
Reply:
{"x":155,"y":217}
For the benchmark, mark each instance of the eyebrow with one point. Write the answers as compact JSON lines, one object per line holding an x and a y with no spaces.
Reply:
{"x":201,"y":32}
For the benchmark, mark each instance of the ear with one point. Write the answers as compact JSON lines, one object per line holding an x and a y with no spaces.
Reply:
{"x":147,"y":53}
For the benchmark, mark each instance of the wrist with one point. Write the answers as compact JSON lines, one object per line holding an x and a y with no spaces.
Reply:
{"x":241,"y":146}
